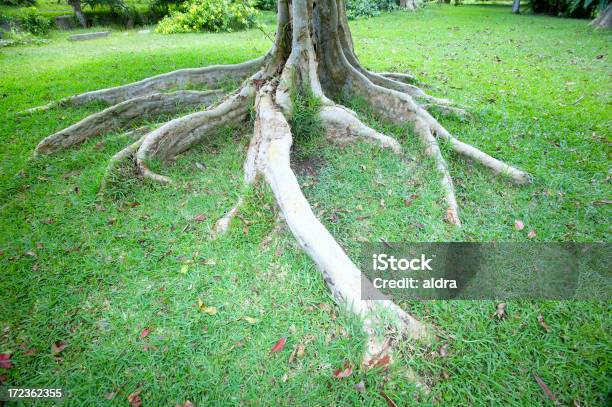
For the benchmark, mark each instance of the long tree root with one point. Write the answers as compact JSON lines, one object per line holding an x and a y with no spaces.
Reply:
{"x":123,"y":114}
{"x":183,"y":133}
{"x":250,"y":173}
{"x":210,"y":76}
{"x":339,"y":272}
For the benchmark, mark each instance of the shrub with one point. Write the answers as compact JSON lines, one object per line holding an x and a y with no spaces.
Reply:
{"x":209,"y":15}
{"x":34,"y":22}
{"x":21,"y":3}
{"x":265,"y":4}
{"x":14,"y":38}
{"x":368,"y":8}
{"x":568,"y":8}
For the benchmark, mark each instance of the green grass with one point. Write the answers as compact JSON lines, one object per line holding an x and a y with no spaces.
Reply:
{"x":102,"y":271}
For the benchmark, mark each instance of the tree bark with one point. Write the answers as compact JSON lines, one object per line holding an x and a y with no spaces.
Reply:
{"x":516,"y":7}
{"x":604,"y":19}
{"x":76,"y":7}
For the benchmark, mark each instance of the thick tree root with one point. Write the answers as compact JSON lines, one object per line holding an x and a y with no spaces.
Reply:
{"x":183,"y":133}
{"x":210,"y":76}
{"x":117,"y":159}
{"x":123,"y":114}
{"x":342,"y":125}
{"x":273,"y":136}
{"x":403,"y":77}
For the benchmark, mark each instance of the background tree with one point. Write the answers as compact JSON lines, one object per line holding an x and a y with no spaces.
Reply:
{"x":312,"y":56}
{"x":604,"y":20}
{"x":516,"y":6}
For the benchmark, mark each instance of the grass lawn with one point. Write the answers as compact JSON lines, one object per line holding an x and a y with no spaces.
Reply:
{"x":95,"y":274}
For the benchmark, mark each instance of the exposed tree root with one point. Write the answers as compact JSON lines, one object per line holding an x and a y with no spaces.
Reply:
{"x":116,"y":160}
{"x":183,"y":133}
{"x":403,"y":77}
{"x":433,"y":150}
{"x":313,"y":51}
{"x":342,"y":125}
{"x":210,"y":76}
{"x":341,"y":275}
{"x":250,"y":174}
{"x":123,"y":114}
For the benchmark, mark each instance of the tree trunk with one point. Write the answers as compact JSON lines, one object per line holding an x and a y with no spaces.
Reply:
{"x":604,"y":19}
{"x":313,"y":54}
{"x":516,"y":6}
{"x":408,"y":4}
{"x":76,"y":7}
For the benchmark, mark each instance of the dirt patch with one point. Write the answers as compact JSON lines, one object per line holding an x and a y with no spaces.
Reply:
{"x":306,"y":165}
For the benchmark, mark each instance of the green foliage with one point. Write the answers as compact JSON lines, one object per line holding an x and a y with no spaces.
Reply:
{"x":305,"y":122}
{"x":34,"y":23}
{"x":568,"y":8}
{"x":20,"y":3}
{"x":14,"y":38}
{"x":368,"y":8}
{"x":265,"y":4}
{"x":209,"y":15}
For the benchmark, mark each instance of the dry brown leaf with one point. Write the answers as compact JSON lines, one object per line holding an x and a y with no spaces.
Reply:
{"x":545,"y":388}
{"x":57,"y":347}
{"x":134,"y":399}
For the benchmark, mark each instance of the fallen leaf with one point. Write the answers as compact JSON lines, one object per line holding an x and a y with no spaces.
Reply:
{"x":30,"y":254}
{"x":444,"y":350}
{"x":544,"y":387}
{"x":359,"y":207}
{"x":5,"y":361}
{"x":279,"y":345}
{"x":30,"y":352}
{"x":532,"y":233}
{"x":384,"y":361}
{"x":145,"y":332}
{"x":205,"y":309}
{"x":250,"y":320}
{"x":360,"y":387}
{"x":134,"y":399}
{"x":519,"y":225}
{"x":133,"y":204}
{"x":111,"y":221}
{"x":200,"y":166}
{"x":408,"y":201}
{"x":200,"y":218}
{"x":390,"y":402}
{"x":48,"y":221}
{"x":57,"y":347}
{"x":111,"y":395}
{"x":342,"y":373}
{"x":543,"y":323}
{"x":500,"y":311}
{"x":184,"y":269}
{"x":382,"y":204}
